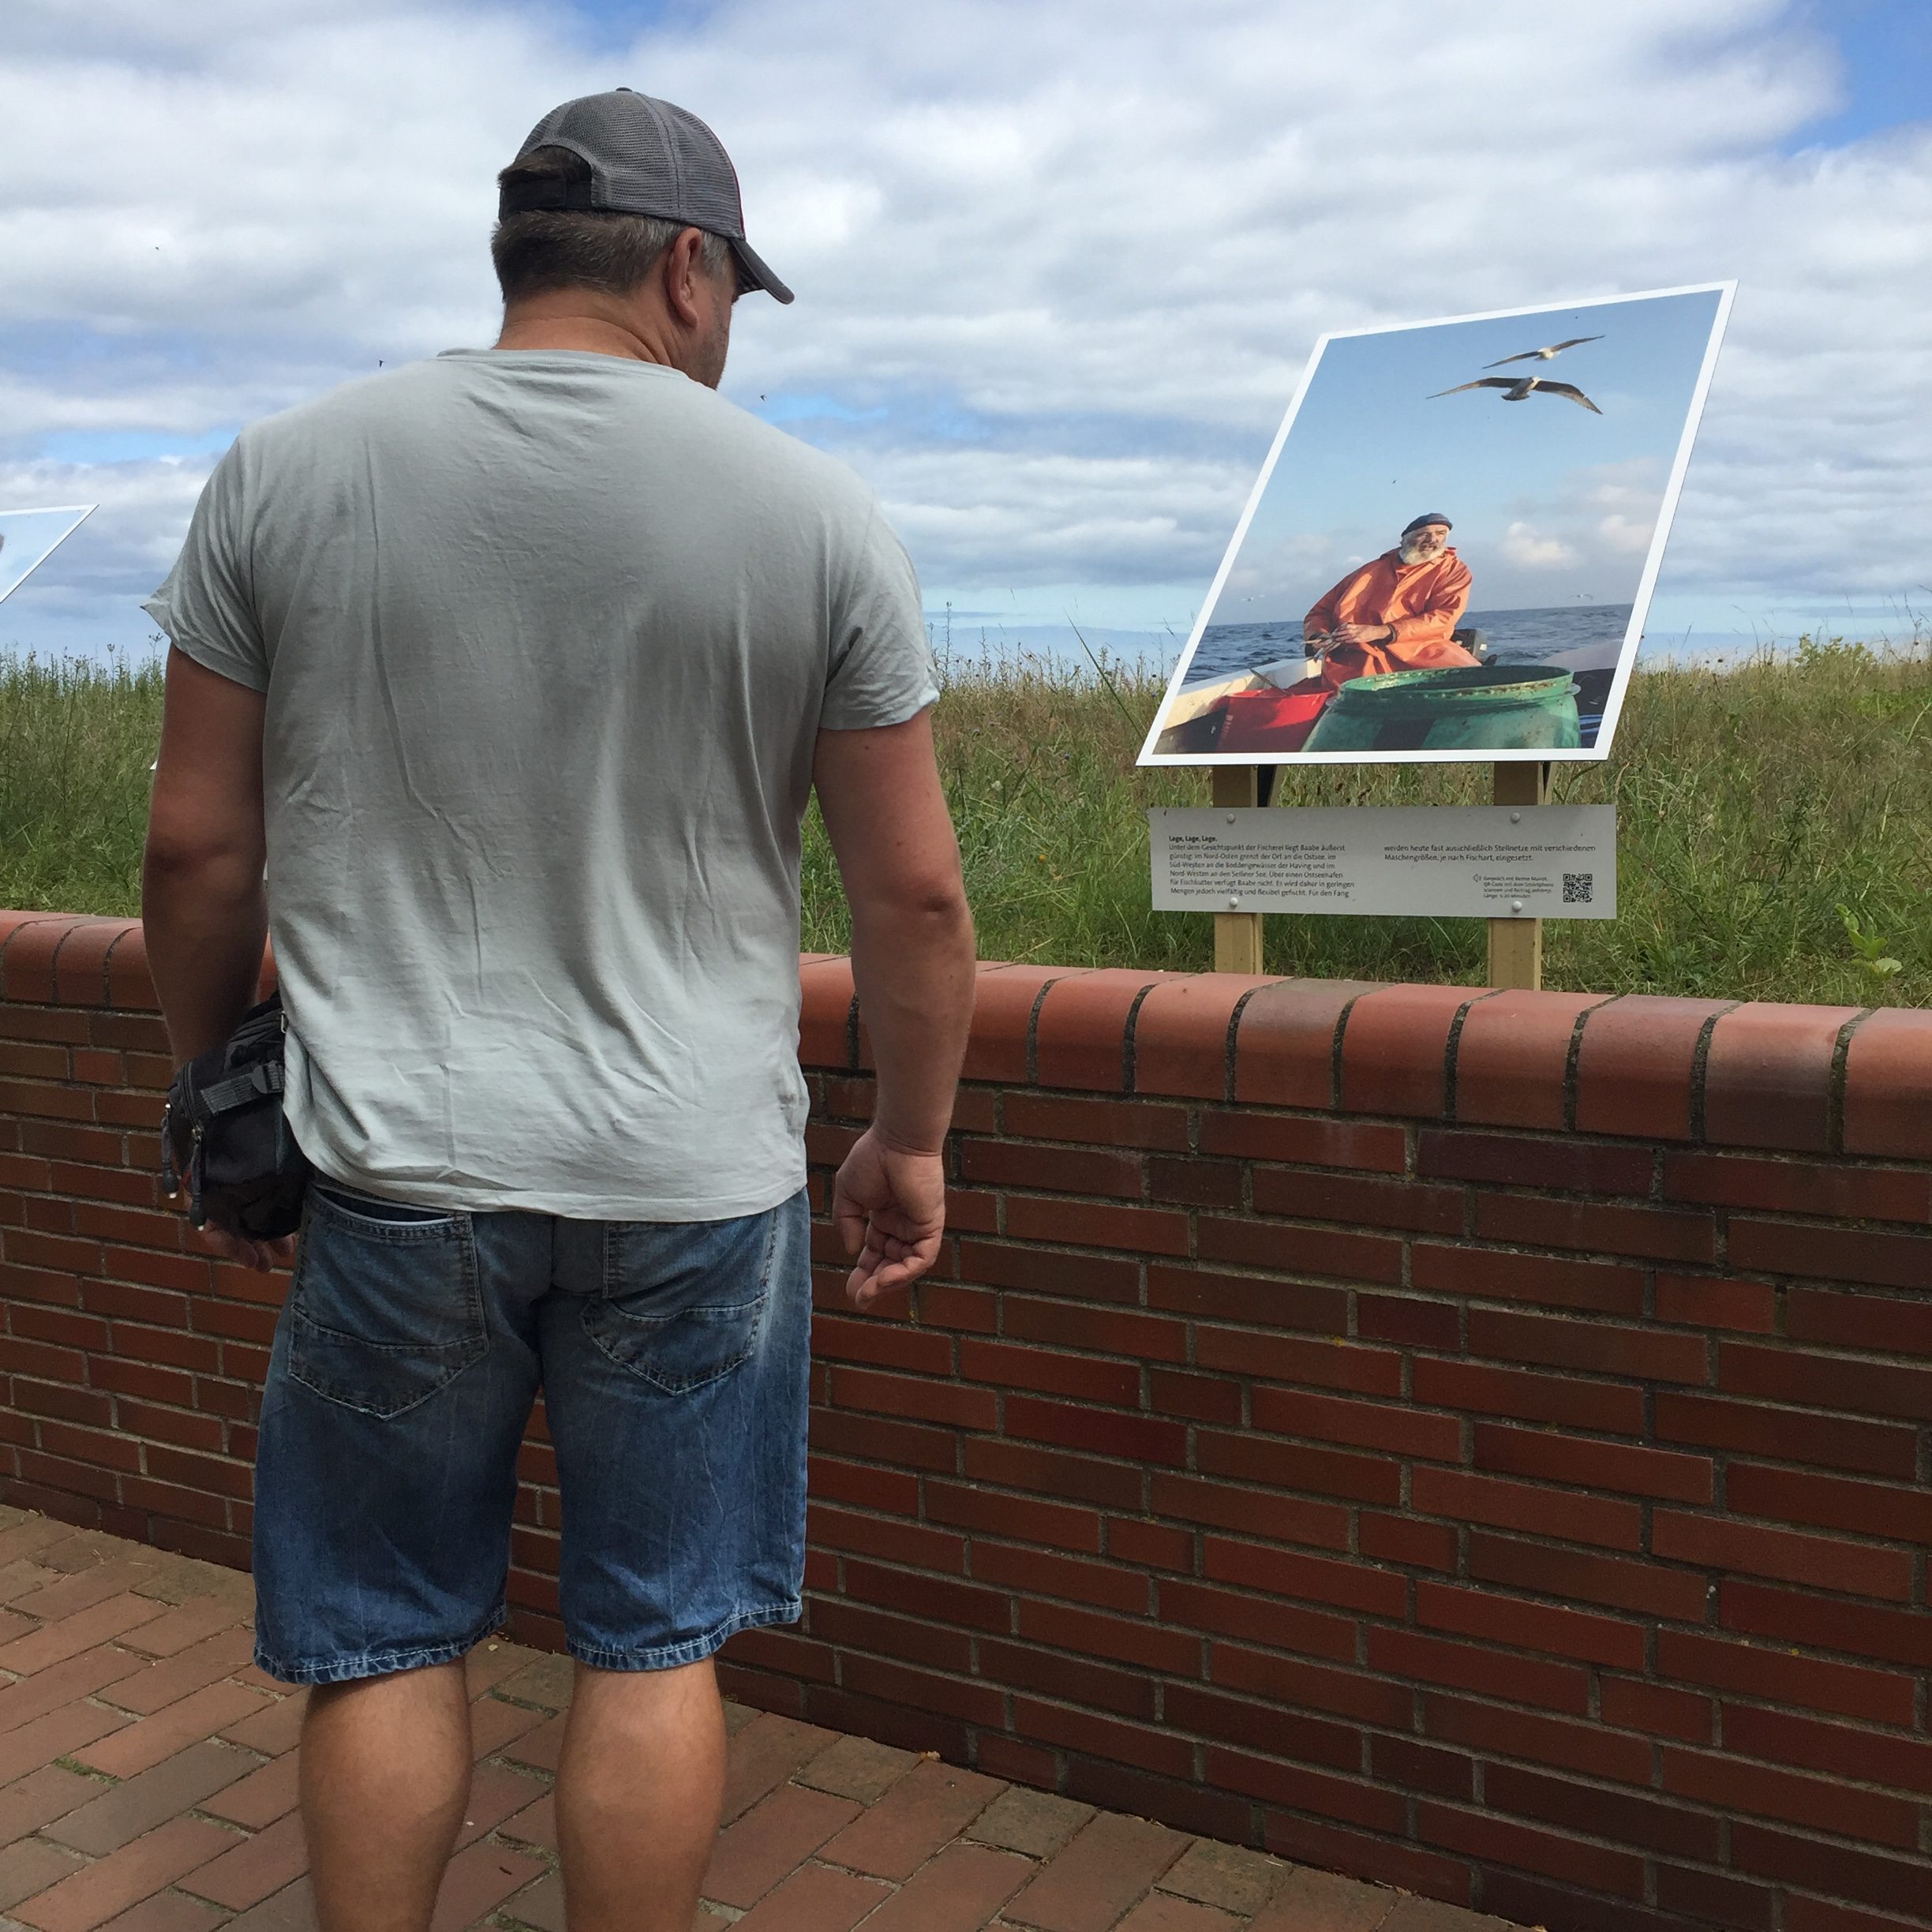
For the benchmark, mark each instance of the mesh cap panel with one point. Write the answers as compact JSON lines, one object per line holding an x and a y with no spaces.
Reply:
{"x":649,"y":157}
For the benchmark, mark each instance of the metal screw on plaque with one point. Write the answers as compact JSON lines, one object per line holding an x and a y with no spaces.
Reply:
{"x":1515,"y":817}
{"x":1233,"y":900}
{"x":1230,"y":818}
{"x":1515,"y":905}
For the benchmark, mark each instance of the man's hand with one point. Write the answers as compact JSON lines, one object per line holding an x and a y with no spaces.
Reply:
{"x":889,"y":1206}
{"x":1364,"y":633}
{"x":261,"y":1256}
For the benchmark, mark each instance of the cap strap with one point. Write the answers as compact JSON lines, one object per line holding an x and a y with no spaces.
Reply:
{"x":522,"y":198}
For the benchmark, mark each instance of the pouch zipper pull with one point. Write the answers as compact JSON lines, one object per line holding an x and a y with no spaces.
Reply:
{"x":194,"y":1182}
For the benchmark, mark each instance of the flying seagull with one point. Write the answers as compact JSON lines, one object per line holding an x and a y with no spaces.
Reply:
{"x":1516,"y":387}
{"x":1543,"y":355}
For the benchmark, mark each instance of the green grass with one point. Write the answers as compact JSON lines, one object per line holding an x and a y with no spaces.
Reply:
{"x":1752,"y":803}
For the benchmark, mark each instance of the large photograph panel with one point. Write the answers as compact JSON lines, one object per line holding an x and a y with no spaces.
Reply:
{"x":28,"y":538}
{"x":1450,"y":551}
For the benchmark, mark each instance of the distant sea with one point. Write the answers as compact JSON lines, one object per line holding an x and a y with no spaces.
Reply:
{"x":1580,"y":639}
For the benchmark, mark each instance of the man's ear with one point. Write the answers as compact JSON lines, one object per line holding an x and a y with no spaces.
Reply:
{"x":683,"y":267}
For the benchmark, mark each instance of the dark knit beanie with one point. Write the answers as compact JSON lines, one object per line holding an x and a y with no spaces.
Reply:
{"x":1433,"y":516}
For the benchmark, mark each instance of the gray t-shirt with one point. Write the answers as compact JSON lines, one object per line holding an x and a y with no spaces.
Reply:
{"x":546,"y":637}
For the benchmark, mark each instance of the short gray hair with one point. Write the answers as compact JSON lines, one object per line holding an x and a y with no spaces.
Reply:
{"x":545,"y":248}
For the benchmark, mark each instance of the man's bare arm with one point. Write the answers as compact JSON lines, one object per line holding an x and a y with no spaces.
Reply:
{"x":202,"y":904}
{"x":913,"y":963}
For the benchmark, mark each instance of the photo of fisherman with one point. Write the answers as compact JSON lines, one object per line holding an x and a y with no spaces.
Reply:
{"x":1397,"y":613}
{"x":1503,"y":625}
{"x":29,"y":538}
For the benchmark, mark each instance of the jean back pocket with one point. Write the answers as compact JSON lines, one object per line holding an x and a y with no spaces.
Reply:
{"x":683,"y":1302}
{"x":385,"y":1310}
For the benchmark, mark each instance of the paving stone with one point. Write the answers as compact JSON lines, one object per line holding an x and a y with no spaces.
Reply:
{"x":178,"y":1579}
{"x":738,"y":1716}
{"x":958,"y":1891}
{"x":242,"y":1872}
{"x":30,"y":1867}
{"x":98,"y":1891}
{"x":775,"y":1835}
{"x":1161,"y":1911}
{"x":26,"y":1538}
{"x":83,"y":1589}
{"x":929,"y":1808}
{"x":496,"y":1793}
{"x":168,"y":1912}
{"x":21,"y":1575}
{"x":764,"y":1754}
{"x":1318,"y":1901}
{"x":79,"y":1676}
{"x":79,"y":1549}
{"x":541,"y":1905}
{"x":498,"y":1729}
{"x":1093,"y":1880}
{"x":856,"y":1768}
{"x":1231,"y":1877}
{"x":546,"y":1682}
{"x":40,"y":1797}
{"x":1034,"y":1822}
{"x":291,"y":1910}
{"x":477,"y":1882}
{"x":54,"y":1642}
{"x":182,"y":1626}
{"x":167,"y":1680}
{"x":1421,"y":1915}
{"x":275,"y":1728}
{"x":535,"y":1824}
{"x":262,"y":1796}
{"x":173,"y":1786}
{"x":148,"y":1740}
{"x":490,"y":1662}
{"x":815,"y":1899}
{"x":57,"y":1734}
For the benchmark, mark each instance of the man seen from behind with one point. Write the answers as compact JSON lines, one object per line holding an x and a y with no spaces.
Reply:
{"x":517,"y":668}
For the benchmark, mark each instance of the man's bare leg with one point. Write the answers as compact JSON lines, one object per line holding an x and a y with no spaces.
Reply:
{"x":639,"y":1788}
{"x":385,"y":1776}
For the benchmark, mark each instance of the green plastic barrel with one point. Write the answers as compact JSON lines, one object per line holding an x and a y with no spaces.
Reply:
{"x":1484,"y":708}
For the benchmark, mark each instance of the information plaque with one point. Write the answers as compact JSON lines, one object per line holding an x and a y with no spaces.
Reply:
{"x":1429,"y":862}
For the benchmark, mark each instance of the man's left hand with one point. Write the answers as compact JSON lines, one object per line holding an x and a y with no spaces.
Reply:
{"x":246,"y":1251}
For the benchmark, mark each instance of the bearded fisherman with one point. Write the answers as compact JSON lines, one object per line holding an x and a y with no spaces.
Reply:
{"x":1396,"y":612}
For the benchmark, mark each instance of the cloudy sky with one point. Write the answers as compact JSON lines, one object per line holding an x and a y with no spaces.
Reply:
{"x":1058,"y":262}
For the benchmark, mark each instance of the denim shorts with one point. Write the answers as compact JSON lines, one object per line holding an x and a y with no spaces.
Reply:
{"x":673,"y":1359}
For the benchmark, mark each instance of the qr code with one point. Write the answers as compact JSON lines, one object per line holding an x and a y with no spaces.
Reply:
{"x":1577,"y":887}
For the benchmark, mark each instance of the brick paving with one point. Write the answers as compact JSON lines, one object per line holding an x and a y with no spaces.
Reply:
{"x":148,"y":1784}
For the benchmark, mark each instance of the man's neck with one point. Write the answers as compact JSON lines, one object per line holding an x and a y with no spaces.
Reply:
{"x":558,"y":322}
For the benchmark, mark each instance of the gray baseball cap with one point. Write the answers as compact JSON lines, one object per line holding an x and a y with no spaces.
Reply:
{"x":645,"y":157}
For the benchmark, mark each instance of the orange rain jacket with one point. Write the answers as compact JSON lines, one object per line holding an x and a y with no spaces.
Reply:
{"x":1420,"y":602}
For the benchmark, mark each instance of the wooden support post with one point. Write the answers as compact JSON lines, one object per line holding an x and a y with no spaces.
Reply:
{"x":1516,"y":945}
{"x":1237,"y":935}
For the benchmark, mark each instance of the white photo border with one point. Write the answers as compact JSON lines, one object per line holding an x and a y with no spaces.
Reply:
{"x":80,"y":512}
{"x":1725,"y":291}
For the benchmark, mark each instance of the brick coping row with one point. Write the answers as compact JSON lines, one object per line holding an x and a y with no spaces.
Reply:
{"x":1842,"y":1079}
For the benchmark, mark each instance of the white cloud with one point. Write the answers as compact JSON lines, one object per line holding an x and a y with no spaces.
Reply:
{"x":1076,"y":254}
{"x":1528,"y":549}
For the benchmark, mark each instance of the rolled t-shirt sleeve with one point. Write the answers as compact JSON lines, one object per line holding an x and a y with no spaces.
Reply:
{"x":881,"y":671}
{"x":206,"y":606}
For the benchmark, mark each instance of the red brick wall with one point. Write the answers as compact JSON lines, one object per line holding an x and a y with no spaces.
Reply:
{"x":1476,"y":1441}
